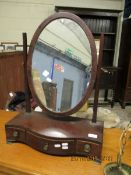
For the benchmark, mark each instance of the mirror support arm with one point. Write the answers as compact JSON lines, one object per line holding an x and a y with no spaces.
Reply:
{"x":27,"y":91}
{"x":99,"y":65}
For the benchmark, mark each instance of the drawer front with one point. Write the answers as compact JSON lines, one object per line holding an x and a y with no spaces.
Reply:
{"x":90,"y":149}
{"x":15,"y":134}
{"x":51,"y":146}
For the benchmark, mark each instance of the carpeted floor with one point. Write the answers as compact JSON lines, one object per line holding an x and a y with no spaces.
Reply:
{"x":112,"y":117}
{"x":124,"y":114}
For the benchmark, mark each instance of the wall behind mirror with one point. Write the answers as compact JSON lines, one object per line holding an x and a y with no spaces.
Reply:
{"x":26,"y":15}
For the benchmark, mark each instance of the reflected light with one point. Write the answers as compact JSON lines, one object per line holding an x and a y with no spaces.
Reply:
{"x":48,"y":79}
{"x":62,"y":21}
{"x":52,"y":133}
{"x":45,"y":73}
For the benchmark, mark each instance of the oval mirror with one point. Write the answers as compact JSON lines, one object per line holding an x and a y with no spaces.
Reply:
{"x":62,"y":64}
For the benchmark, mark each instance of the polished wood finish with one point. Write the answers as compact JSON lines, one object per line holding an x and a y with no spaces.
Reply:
{"x":97,"y":85}
{"x":26,"y":84}
{"x":11,"y":74}
{"x":20,"y":159}
{"x":57,"y":135}
{"x":48,"y":132}
{"x":124,"y":77}
{"x":93,"y":54}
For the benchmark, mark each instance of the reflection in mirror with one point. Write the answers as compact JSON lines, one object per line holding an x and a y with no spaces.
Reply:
{"x":61,"y":65}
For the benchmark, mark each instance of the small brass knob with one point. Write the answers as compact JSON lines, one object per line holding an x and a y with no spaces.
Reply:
{"x":45,"y":147}
{"x":15,"y":134}
{"x":87,"y":148}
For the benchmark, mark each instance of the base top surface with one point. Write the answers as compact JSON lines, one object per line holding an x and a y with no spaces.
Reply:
{"x":58,"y":127}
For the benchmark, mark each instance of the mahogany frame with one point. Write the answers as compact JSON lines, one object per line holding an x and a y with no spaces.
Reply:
{"x":90,"y":37}
{"x":40,"y":130}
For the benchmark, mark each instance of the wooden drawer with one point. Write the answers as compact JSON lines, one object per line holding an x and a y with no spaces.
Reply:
{"x":90,"y":149}
{"x":15,"y":134}
{"x":51,"y":146}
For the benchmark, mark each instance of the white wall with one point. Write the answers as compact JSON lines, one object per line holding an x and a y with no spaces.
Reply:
{"x":54,"y":35}
{"x":17,"y":16}
{"x":95,"y":4}
{"x":22,"y":16}
{"x":118,"y":38}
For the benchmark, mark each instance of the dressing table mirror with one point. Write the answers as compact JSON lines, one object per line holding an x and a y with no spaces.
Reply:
{"x":61,"y":70}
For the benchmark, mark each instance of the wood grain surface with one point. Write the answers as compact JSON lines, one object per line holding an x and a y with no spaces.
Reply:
{"x":20,"y":159}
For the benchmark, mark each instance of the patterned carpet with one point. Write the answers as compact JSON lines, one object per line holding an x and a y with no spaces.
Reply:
{"x":112,"y":117}
{"x":124,"y":114}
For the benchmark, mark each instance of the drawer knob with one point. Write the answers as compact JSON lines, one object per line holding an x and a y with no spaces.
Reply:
{"x":15,"y":134}
{"x":45,"y":147}
{"x":87,"y":148}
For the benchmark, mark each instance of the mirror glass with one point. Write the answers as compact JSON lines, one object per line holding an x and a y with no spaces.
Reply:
{"x":61,"y":65}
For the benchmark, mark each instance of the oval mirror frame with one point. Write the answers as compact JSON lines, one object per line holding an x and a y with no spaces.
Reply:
{"x":90,"y":38}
